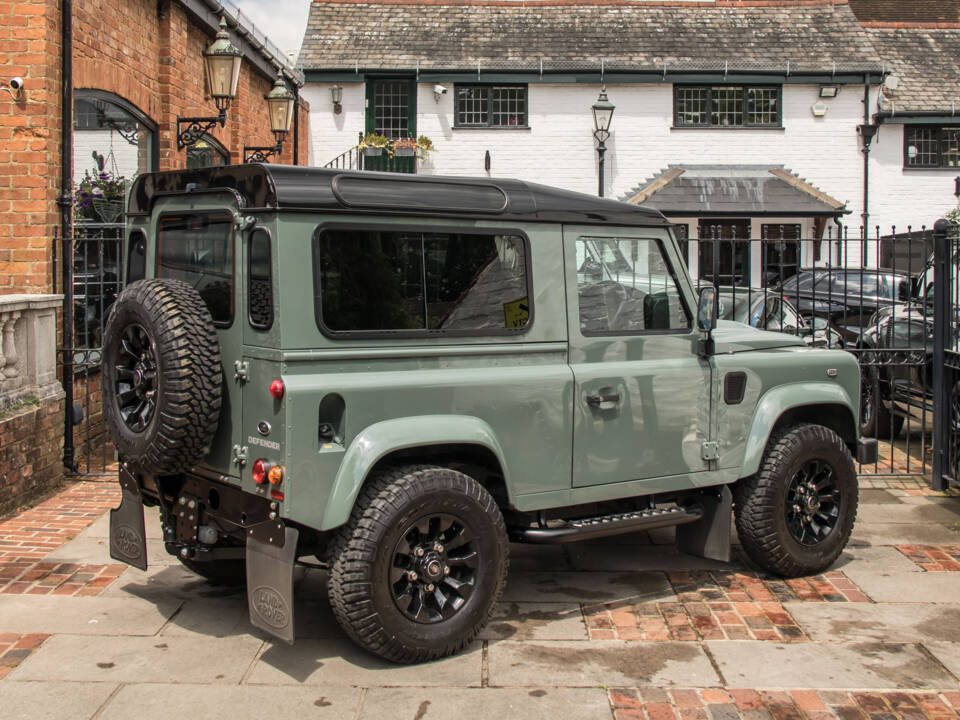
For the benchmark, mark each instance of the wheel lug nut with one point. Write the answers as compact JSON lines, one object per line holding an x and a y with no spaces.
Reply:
{"x":446,"y":569}
{"x":418,"y":552}
{"x":438,"y":548}
{"x":430,"y":587}
{"x":411,"y":576}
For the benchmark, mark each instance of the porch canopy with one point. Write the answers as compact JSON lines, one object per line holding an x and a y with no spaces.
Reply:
{"x":733,"y":191}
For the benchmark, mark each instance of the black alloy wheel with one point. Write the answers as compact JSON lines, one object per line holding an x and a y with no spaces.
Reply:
{"x":813,"y":503}
{"x":434,"y":569}
{"x":136,"y":381}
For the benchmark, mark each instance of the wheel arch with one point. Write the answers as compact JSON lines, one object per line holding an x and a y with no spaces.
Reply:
{"x":815,"y":403}
{"x":438,"y":439}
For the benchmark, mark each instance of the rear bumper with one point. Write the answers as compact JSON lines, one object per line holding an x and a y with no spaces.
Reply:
{"x":867,"y":452}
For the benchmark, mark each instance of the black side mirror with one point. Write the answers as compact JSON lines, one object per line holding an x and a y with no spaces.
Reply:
{"x":903,"y":291}
{"x":707,"y":309}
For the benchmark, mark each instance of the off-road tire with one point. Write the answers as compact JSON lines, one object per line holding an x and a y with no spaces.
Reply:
{"x":761,"y":502}
{"x":188,"y":377}
{"x":876,"y":420}
{"x":229,"y":573}
{"x":363,"y":554}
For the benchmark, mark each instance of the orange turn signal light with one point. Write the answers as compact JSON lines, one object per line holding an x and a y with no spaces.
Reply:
{"x":275,"y":474}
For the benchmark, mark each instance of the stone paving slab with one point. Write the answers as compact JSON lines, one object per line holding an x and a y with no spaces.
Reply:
{"x":881,"y":533}
{"x":138,"y":659}
{"x":53,"y":700}
{"x":946,"y":651}
{"x":884,"y":586}
{"x":547,"y":703}
{"x":84,"y":616}
{"x":912,"y":514}
{"x":163,"y":702}
{"x":151,"y":524}
{"x":606,"y":662}
{"x":89,"y":549}
{"x":535,"y":621}
{"x":879,"y":622}
{"x":587,"y":587}
{"x":875,"y":558}
{"x":747,"y":664}
{"x":338,"y":663}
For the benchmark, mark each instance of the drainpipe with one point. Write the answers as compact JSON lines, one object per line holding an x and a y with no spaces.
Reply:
{"x":65,"y":201}
{"x":296,"y":124}
{"x":867,"y":132}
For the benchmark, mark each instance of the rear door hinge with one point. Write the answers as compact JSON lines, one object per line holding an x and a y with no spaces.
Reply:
{"x":710,"y":450}
{"x":240,"y":371}
{"x":240,"y":455}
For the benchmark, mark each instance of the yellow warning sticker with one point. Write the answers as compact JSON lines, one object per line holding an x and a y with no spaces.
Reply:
{"x":516,"y":313}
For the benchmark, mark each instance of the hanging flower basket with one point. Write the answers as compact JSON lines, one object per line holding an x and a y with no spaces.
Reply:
{"x":108,"y":210}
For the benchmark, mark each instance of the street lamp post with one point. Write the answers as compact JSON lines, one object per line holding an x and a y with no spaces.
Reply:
{"x":602,"y":115}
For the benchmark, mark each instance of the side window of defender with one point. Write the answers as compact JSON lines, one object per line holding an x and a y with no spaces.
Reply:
{"x":626,"y":285}
{"x":390,"y":281}
{"x":260,"y":281}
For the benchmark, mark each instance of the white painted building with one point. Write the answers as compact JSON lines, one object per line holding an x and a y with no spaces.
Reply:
{"x":728,"y":86}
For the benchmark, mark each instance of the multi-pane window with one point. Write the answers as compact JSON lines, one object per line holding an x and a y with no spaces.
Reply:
{"x":391,"y":108}
{"x":928,"y":146}
{"x":726,"y":106}
{"x":491,"y":105}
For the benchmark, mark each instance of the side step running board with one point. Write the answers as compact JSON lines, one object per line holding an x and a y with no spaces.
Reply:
{"x":604,"y":525}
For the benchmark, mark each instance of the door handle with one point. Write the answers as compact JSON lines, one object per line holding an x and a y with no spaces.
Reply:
{"x":596,"y":400}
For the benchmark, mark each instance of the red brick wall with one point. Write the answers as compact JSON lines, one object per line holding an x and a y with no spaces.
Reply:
{"x":31,"y":450}
{"x":143,"y":51}
{"x":29,"y":143}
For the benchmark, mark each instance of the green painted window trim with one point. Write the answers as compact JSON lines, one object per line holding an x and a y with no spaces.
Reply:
{"x":678,"y":124}
{"x":525,"y":125}
{"x":370,"y":121}
{"x":939,"y":132}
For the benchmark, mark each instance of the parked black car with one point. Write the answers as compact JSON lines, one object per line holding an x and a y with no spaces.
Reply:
{"x":847,"y":298}
{"x":897,"y":363}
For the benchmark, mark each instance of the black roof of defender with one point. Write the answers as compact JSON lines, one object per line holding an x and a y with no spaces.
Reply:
{"x":297,"y":188}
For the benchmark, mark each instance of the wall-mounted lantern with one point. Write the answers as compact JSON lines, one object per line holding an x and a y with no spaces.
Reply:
{"x":221,"y":63}
{"x":336,"y":94}
{"x":280,"y":107}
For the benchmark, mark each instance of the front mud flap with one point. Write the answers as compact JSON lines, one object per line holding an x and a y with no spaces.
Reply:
{"x":270,"y":583}
{"x":710,"y":536}
{"x":128,"y":538}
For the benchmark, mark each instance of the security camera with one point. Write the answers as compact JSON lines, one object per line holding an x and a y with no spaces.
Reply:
{"x":16,"y":84}
{"x":439,"y":90}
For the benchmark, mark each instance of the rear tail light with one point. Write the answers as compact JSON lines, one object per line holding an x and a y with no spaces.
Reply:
{"x":276,"y":494}
{"x":276,"y":389}
{"x":259,"y":470}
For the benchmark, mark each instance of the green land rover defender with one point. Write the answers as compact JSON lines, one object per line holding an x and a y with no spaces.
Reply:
{"x":397,"y":376}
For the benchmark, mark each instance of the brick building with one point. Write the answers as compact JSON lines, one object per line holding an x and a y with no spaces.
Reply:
{"x":137,"y":66}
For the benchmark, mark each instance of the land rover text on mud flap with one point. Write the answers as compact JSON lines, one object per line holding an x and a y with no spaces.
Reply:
{"x":397,"y":375}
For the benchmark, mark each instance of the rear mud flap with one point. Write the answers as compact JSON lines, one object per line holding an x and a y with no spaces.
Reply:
{"x":270,"y":584}
{"x":128,"y":538}
{"x":709,"y":537}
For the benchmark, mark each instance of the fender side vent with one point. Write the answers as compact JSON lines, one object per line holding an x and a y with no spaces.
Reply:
{"x":734,"y":386}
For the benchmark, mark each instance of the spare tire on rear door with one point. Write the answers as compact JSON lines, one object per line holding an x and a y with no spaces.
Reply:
{"x":161,"y":376}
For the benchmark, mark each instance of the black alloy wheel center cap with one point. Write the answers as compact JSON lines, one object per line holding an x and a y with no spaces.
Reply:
{"x":813,"y":504}
{"x":431,"y":567}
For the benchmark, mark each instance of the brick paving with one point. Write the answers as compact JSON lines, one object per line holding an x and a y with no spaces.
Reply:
{"x":714,"y":605}
{"x":906,"y":486}
{"x":14,"y":649}
{"x":895,"y":460}
{"x":933,"y":558}
{"x":27,"y":538}
{"x":35,"y":532}
{"x":718,"y":704}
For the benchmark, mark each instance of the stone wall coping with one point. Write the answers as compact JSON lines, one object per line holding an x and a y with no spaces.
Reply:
{"x":29,"y":301}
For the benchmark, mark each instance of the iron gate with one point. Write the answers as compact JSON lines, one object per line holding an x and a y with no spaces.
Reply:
{"x":95,"y":276}
{"x":946,"y":360}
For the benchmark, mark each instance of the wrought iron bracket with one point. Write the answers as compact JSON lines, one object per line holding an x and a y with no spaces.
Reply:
{"x":261,"y":154}
{"x":197,"y":127}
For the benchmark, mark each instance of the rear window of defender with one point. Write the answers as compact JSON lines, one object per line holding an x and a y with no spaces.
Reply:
{"x":198,"y":249}
{"x":375,"y":282}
